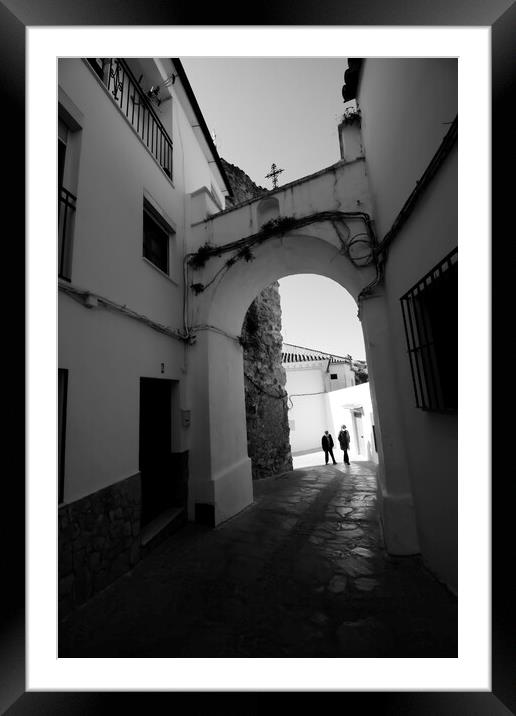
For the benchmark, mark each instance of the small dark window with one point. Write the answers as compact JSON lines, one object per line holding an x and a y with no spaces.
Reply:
{"x":62,"y":390}
{"x":333,"y":376}
{"x":156,"y":239}
{"x":430,"y":317}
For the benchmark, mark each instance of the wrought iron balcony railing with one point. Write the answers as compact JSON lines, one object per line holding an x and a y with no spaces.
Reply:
{"x":136,"y":106}
{"x":67,"y":204}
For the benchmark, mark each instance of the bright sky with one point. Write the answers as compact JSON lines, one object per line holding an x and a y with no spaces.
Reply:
{"x":323,"y":317}
{"x":265,"y":110}
{"x":284,"y":110}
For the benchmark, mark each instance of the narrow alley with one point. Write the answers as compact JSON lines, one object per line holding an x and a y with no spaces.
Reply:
{"x":300,"y":573}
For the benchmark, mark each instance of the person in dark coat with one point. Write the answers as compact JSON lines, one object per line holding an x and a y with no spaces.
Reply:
{"x":327,"y":446}
{"x":343,"y":438}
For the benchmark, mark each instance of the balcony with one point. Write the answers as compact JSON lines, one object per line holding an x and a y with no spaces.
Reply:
{"x":134,"y":103}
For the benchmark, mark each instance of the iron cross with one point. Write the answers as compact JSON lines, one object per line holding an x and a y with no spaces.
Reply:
{"x":274,"y":174}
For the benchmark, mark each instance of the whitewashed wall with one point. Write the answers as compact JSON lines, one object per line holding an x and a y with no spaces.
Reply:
{"x":403,"y":126}
{"x":107,"y":353}
{"x":345,"y":377}
{"x":309,"y":413}
{"x":407,"y":106}
{"x":341,"y":402}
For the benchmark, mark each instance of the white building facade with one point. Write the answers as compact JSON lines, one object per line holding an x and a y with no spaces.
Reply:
{"x":323,"y":395}
{"x":353,"y":408}
{"x":134,"y":170}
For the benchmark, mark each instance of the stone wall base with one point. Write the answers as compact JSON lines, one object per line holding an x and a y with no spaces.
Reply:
{"x":98,"y":541}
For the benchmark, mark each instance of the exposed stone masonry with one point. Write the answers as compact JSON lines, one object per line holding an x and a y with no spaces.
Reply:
{"x":242,"y":185}
{"x":99,"y":540}
{"x":268,"y":433}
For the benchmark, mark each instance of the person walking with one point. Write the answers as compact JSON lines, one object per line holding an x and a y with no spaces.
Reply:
{"x":327,"y":446}
{"x":343,"y":438}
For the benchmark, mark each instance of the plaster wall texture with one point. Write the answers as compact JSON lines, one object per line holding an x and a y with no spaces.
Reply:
{"x":342,"y":186}
{"x":223,"y":304}
{"x":345,"y":377}
{"x":115,"y":172}
{"x":106,"y":354}
{"x":350,"y":140}
{"x":220,"y":471}
{"x":403,"y":124}
{"x":315,"y":249}
{"x":341,"y":403}
{"x":432,"y":446}
{"x":430,"y":439}
{"x":309,"y":412}
{"x":202,"y":205}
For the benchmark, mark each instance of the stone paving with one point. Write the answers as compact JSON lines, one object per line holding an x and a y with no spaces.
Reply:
{"x":302,"y":572}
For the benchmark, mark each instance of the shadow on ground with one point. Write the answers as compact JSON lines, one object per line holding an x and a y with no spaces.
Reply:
{"x":300,"y":573}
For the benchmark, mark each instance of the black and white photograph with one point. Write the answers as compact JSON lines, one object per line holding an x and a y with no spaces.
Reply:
{"x":263,"y":464}
{"x":227,"y":326}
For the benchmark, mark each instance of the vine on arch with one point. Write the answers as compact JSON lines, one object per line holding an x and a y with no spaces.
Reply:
{"x":275,"y":227}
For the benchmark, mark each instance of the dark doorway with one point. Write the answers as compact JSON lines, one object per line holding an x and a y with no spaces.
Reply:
{"x":155,"y":447}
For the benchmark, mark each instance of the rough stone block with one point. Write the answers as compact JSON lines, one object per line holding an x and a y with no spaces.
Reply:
{"x":65,"y":586}
{"x":83,"y":586}
{"x":97,"y":540}
{"x":94,"y":561}
{"x":65,"y":606}
{"x":65,"y":562}
{"x":101,"y":580}
{"x":134,"y":554}
{"x":120,"y":565}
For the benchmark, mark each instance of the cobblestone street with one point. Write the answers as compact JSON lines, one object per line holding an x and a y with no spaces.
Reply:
{"x":300,"y":573}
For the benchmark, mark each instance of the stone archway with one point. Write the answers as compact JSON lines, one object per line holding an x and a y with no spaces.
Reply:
{"x":220,"y":472}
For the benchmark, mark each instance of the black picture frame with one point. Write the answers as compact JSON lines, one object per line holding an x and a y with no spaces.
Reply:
{"x":15,"y":16}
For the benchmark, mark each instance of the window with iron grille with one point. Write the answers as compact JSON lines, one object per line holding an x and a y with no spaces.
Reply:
{"x":156,"y":238}
{"x":430,"y":319}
